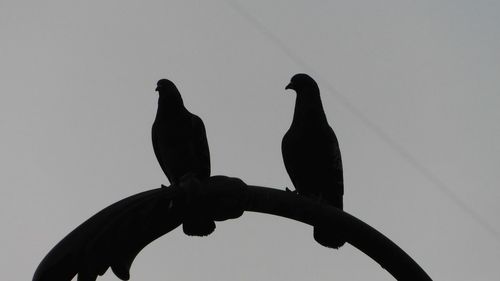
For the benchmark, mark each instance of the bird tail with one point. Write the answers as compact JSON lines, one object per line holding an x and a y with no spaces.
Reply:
{"x":330,"y":235}
{"x":198,"y":226}
{"x":197,"y":220}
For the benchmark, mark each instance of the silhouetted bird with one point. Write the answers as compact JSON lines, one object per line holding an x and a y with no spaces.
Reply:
{"x":181,"y":147}
{"x":312,"y":156}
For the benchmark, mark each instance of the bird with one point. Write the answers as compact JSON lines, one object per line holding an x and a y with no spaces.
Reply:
{"x":181,"y":147}
{"x":311,"y":155}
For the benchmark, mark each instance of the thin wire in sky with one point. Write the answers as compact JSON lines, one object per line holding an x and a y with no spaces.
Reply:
{"x":399,"y":149}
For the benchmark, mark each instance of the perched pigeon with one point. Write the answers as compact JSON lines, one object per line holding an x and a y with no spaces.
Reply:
{"x":312,"y":156}
{"x":180,"y":145}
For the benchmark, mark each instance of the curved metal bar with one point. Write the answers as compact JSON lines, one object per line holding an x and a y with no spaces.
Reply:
{"x":114,"y":236}
{"x":357,"y":233}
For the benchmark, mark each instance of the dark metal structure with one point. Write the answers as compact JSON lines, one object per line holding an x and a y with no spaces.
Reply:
{"x":114,"y":236}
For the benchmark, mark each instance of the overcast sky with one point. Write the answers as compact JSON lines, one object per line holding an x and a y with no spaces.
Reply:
{"x":412,"y":89}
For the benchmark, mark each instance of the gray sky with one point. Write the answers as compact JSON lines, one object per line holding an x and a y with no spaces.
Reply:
{"x":77,"y":101}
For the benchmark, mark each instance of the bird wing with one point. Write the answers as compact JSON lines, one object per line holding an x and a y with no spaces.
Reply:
{"x":200,"y":147}
{"x":112,"y":238}
{"x":331,"y":162}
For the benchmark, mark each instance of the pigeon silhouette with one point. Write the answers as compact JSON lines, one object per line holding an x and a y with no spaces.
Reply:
{"x":181,"y":147}
{"x":311,"y":155}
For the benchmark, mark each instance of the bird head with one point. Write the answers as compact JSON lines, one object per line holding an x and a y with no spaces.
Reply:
{"x":302,"y":83}
{"x":168,"y":94}
{"x":165,"y":86}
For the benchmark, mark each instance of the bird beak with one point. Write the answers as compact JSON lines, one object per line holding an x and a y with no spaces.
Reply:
{"x":289,"y":86}
{"x":157,"y":89}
